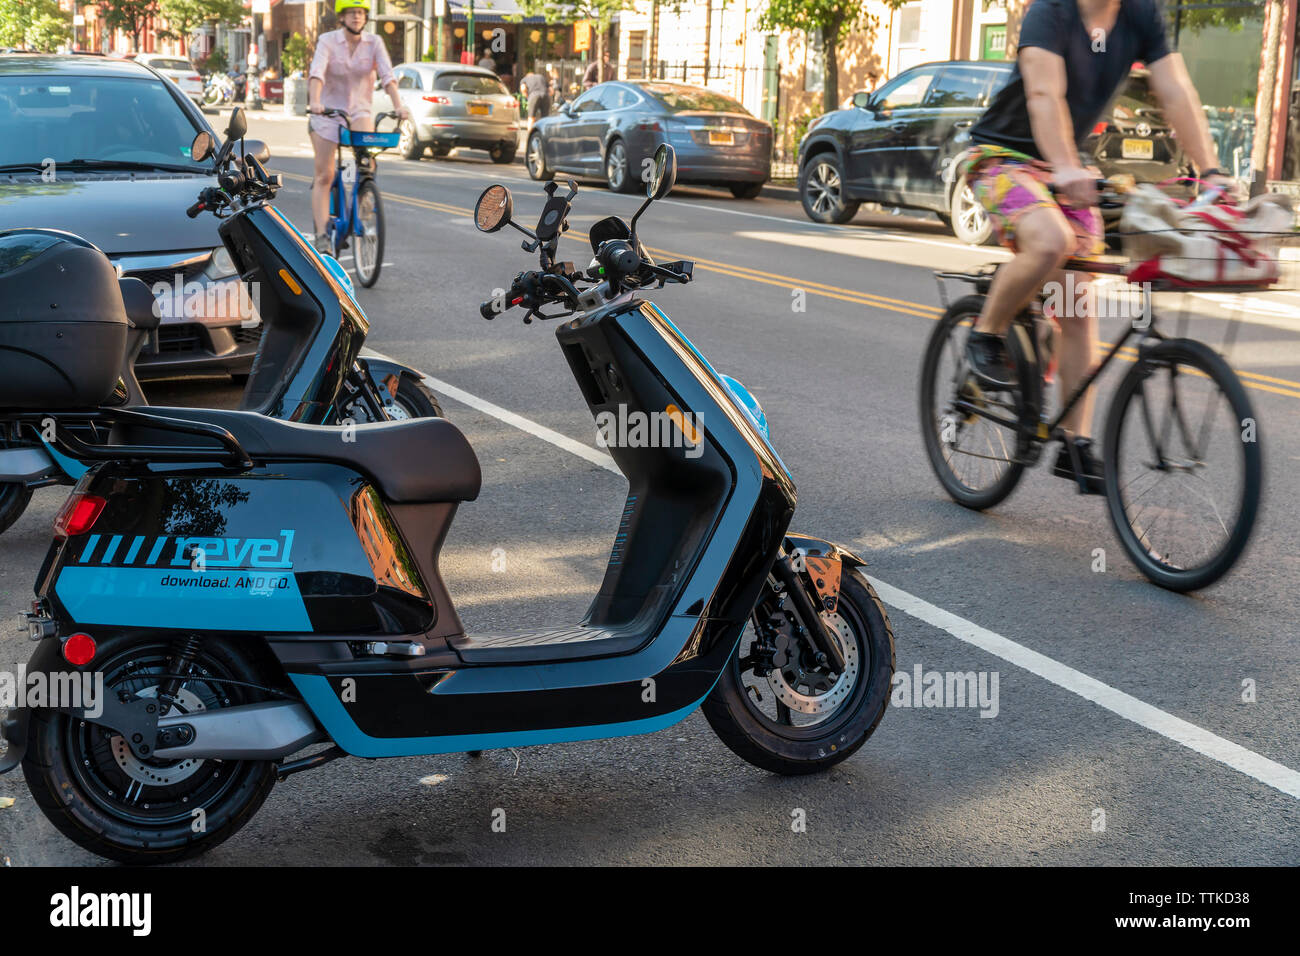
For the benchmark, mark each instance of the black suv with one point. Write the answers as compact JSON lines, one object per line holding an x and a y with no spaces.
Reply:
{"x":896,"y":146}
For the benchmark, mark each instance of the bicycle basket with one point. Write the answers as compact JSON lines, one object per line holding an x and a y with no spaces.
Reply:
{"x":1219,"y":246}
{"x":368,"y":140}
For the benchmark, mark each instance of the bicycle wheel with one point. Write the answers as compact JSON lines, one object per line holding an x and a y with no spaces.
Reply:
{"x":368,"y":250}
{"x":1183,"y":465}
{"x":973,"y":457}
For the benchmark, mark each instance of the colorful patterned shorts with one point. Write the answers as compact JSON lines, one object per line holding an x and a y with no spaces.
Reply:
{"x":1008,"y":184}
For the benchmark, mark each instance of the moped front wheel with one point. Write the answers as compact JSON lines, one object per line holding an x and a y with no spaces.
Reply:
{"x":778,"y":709}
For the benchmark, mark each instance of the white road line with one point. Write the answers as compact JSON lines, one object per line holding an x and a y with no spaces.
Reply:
{"x":523,"y":424}
{"x":1224,"y":751}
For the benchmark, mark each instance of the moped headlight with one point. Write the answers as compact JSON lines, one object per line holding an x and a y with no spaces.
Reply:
{"x":221,"y":265}
{"x":749,"y":403}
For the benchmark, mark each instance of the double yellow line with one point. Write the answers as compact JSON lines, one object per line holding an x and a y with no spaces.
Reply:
{"x":1263,"y":383}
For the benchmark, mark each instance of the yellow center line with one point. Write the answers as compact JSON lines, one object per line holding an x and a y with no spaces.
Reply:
{"x":1253,"y":380}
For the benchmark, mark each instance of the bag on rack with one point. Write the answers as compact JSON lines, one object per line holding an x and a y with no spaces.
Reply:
{"x":1193,"y":247}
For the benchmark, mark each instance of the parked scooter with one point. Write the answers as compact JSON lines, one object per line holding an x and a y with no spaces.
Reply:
{"x":309,"y":366}
{"x":247,"y":587}
{"x":219,"y":90}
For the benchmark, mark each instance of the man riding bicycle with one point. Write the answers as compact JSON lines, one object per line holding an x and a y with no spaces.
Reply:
{"x":1073,"y":56}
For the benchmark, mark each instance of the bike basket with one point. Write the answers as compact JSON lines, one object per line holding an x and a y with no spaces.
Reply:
{"x":1220,"y":247}
{"x":369,"y":140}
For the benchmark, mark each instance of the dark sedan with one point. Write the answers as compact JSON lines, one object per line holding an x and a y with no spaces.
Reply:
{"x":612,"y":131}
{"x":897,"y":146}
{"x":100,"y":147}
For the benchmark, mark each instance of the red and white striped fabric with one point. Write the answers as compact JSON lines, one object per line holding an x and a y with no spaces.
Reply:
{"x":1219,"y":245}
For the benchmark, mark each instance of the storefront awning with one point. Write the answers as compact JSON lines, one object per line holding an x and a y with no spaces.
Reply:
{"x":490,"y":11}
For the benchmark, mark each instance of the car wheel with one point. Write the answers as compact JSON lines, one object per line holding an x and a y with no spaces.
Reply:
{"x":746,"y":190}
{"x":821,"y":187}
{"x":970,"y":223}
{"x":535,"y":159}
{"x":408,"y":144}
{"x":503,"y":153}
{"x":617,"y":173}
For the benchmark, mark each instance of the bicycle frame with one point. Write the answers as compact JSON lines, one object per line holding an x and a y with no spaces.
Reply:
{"x":1048,"y":431}
{"x":346,"y":218}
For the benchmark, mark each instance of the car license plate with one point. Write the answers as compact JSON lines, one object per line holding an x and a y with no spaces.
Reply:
{"x":479,"y":109}
{"x":721,"y":138}
{"x":1137,"y":149}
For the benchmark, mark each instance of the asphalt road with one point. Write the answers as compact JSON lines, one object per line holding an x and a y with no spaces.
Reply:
{"x":1114,"y":696}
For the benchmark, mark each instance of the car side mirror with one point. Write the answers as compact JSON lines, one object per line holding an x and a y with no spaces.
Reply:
{"x":863,"y":101}
{"x":257,"y":148}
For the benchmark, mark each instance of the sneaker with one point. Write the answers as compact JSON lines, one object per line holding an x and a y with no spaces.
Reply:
{"x":987,"y":355}
{"x":1094,"y":481}
{"x":322,"y":245}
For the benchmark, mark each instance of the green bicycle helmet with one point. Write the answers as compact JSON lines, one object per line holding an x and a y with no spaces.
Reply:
{"x":341,"y":5}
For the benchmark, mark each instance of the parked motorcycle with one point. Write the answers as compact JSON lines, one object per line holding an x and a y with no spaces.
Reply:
{"x":219,"y":90}
{"x":247,"y":587}
{"x":310,"y":365}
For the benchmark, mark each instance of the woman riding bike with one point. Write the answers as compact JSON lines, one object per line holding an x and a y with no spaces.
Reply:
{"x":342,"y":77}
{"x":1073,"y":56}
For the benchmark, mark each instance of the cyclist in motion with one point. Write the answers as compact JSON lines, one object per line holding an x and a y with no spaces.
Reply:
{"x":1073,"y":56}
{"x":342,"y":77}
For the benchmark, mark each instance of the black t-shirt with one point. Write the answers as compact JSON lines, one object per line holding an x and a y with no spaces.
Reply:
{"x":1092,"y":76}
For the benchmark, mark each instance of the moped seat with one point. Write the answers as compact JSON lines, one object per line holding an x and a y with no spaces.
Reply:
{"x":420,"y":459}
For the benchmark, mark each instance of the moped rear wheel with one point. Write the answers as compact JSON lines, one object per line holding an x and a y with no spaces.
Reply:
{"x":782,"y":713}
{"x":96,"y":792}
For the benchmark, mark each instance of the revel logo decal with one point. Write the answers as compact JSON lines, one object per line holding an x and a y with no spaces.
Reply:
{"x":254,"y":554}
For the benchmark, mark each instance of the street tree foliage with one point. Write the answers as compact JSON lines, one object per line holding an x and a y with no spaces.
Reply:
{"x":129,"y":16}
{"x":831,"y":20}
{"x":600,"y":12}
{"x":183,"y":17}
{"x":37,"y":25}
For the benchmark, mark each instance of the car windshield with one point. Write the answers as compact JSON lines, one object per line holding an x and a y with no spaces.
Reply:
{"x":171,"y":64}
{"x":678,"y":99}
{"x":103,"y":119}
{"x":474,"y":83}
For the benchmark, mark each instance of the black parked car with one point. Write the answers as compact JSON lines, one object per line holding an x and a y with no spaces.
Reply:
{"x":100,"y":147}
{"x":896,"y":146}
{"x":613,"y":129}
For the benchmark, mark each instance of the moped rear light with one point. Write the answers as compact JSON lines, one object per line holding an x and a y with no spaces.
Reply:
{"x":79,"y":650}
{"x":78,"y":515}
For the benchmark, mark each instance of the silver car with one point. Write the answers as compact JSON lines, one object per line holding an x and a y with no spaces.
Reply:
{"x":177,"y":69}
{"x":455,"y":105}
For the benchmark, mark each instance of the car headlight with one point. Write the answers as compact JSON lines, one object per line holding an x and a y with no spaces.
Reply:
{"x":220,"y":266}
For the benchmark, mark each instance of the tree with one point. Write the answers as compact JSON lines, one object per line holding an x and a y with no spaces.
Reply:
{"x":600,"y":12}
{"x":129,"y":16}
{"x":37,"y":25}
{"x":182,"y":17}
{"x":828,"y":19}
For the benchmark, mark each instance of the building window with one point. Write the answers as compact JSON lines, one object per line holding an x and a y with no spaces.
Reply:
{"x":910,"y":52}
{"x":814,"y":68}
{"x":636,"y":55}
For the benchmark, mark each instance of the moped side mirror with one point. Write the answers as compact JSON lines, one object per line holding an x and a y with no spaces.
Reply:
{"x":202,"y":146}
{"x":258,"y":149}
{"x":663,"y":174}
{"x":238,"y":125}
{"x":494,"y":208}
